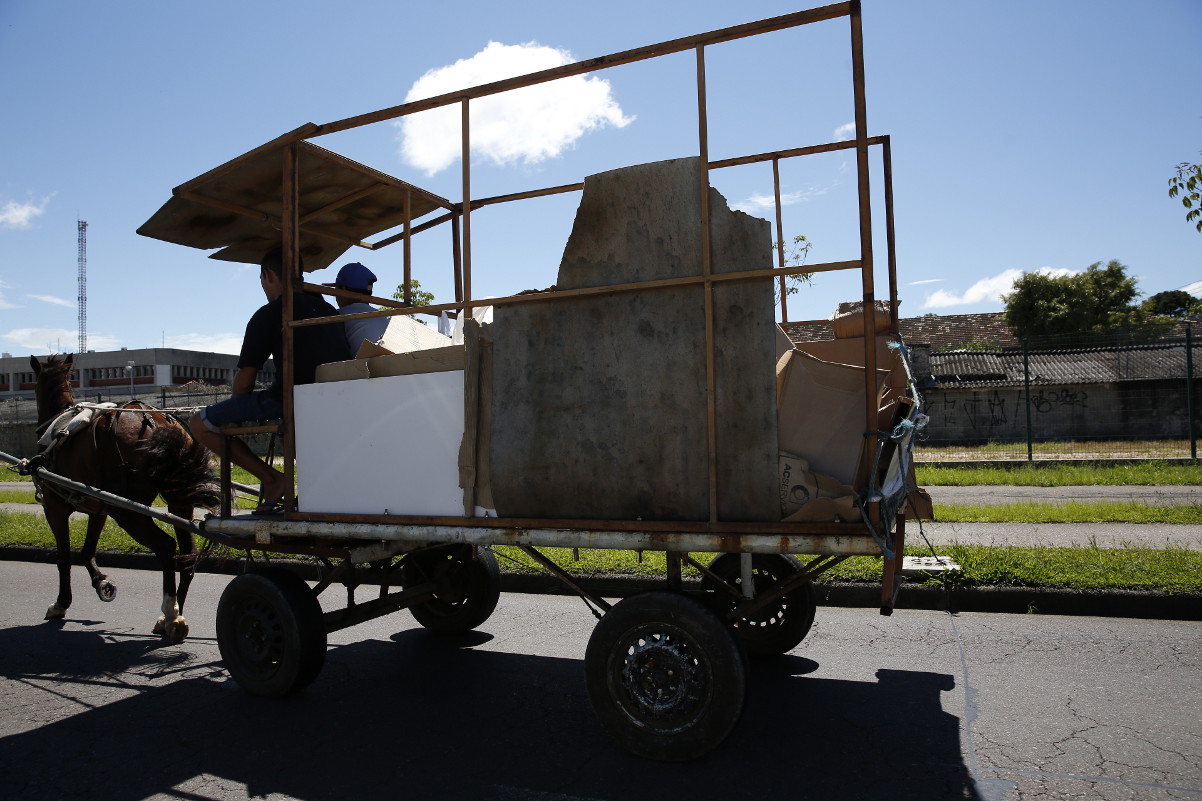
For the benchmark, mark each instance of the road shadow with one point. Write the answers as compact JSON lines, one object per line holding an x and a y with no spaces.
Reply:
{"x":428,"y":717}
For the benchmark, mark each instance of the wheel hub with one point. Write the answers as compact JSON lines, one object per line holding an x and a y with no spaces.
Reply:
{"x":661,"y":675}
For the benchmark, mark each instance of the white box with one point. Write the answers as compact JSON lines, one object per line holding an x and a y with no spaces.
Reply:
{"x":385,"y":445}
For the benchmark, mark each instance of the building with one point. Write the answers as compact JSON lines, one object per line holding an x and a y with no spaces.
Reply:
{"x":145,"y":371}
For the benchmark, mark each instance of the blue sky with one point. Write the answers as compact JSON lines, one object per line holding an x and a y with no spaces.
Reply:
{"x":1026,"y":135}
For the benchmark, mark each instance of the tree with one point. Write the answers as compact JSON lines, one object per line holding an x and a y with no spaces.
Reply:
{"x":1174,"y":303}
{"x":1098,"y":299}
{"x":419,"y":295}
{"x":1188,"y":184}
{"x":795,"y":256}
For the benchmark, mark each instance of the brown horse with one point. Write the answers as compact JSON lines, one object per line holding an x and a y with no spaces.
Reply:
{"x":138,"y":453}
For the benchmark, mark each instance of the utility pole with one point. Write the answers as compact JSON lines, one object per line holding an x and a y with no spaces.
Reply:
{"x":82,"y":227}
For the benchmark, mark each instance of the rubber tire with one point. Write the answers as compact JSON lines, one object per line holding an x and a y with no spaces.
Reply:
{"x":468,"y":586}
{"x":782,"y":625}
{"x":631,"y":663}
{"x":270,"y":632}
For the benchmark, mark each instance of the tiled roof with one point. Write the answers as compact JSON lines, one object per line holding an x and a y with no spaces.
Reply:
{"x":1060,"y":366}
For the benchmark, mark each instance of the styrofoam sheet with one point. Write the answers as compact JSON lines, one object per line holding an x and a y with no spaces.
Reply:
{"x":381,"y":445}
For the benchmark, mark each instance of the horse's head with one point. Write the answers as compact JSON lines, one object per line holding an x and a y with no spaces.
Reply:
{"x":53,"y":389}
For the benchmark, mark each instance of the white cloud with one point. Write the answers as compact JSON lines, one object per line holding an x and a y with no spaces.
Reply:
{"x":925,"y":281}
{"x":206,"y":343}
{"x":53,"y":300}
{"x":4,"y":304}
{"x":1194,"y":289}
{"x":986,"y":290}
{"x":760,"y":203}
{"x":845,"y":132}
{"x":54,"y":340}
{"x":527,"y":125}
{"x":20,"y":215}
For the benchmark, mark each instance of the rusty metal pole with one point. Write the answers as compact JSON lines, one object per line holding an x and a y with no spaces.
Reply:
{"x":711,"y":401}
{"x":290,"y":231}
{"x":780,"y":240}
{"x":466,"y":147}
{"x":408,"y":247}
{"x":871,"y":423}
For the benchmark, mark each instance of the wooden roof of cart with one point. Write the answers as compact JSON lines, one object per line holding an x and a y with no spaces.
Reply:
{"x":237,"y":207}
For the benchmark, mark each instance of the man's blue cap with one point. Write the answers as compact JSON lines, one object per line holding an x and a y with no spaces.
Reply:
{"x":354,"y":276}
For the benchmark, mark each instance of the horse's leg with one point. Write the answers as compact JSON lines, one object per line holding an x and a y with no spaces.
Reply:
{"x":105,"y":589}
{"x":187,"y":553}
{"x":171,"y":624}
{"x":57,"y":515}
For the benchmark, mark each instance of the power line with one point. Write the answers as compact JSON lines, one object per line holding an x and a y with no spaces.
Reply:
{"x":83,"y":285}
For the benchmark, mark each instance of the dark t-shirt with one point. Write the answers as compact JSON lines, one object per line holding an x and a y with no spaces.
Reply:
{"x":314,"y":344}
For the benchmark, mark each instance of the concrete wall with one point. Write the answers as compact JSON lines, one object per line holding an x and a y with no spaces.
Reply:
{"x":599,"y":403}
{"x":1139,"y":409}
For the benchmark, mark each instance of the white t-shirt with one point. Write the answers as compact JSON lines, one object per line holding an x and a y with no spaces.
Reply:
{"x":371,"y":329}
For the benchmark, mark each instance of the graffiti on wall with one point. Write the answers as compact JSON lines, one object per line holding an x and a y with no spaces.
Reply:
{"x":1045,"y":401}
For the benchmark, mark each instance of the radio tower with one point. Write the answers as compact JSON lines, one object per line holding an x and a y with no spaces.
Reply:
{"x":83,"y":285}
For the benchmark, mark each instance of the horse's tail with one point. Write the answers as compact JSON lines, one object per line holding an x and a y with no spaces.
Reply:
{"x":179,"y":467}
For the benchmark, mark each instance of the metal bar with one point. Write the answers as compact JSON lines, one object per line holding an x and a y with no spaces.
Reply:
{"x":780,"y":240}
{"x":551,"y":190}
{"x":265,"y":532}
{"x":417,"y":229}
{"x":590,"y":65}
{"x":707,"y":269}
{"x":791,"y":153}
{"x":407,"y":252}
{"x":866,"y":270}
{"x":565,"y":577}
{"x":457,"y":258}
{"x":1189,"y":391}
{"x":289,"y":206}
{"x":890,"y":250}
{"x":743,"y":275}
{"x":111,"y":499}
{"x":891,"y":576}
{"x":465,"y":157}
{"x":376,"y":607}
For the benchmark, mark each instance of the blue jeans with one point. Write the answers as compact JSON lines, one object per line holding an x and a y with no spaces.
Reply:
{"x":240,"y":409}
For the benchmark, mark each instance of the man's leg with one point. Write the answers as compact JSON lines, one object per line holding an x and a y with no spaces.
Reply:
{"x":272,"y":483}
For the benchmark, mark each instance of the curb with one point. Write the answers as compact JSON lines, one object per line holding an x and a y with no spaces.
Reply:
{"x":1005,"y":600}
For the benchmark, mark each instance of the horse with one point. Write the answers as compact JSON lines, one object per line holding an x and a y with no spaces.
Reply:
{"x":134,"y":451}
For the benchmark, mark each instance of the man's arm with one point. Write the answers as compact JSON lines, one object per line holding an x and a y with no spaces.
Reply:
{"x":244,"y":381}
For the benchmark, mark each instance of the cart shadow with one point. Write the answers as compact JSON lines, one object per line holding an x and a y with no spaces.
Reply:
{"x":429,"y":717}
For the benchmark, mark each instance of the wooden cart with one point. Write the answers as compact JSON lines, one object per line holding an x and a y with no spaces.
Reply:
{"x":664,"y":668}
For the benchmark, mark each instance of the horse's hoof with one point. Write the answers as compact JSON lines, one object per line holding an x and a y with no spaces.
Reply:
{"x":177,"y":631}
{"x":106,"y":591}
{"x":56,"y":612}
{"x":160,"y":626}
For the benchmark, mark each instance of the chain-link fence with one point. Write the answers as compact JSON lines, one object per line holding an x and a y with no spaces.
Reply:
{"x":1129,"y":394}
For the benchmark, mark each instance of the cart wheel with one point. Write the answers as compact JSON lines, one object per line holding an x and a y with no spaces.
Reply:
{"x":467,"y":586}
{"x":665,"y":676}
{"x":782,"y":624}
{"x":270,"y":632}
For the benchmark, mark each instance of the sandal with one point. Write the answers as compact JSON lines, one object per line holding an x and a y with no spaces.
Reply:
{"x":269,"y":508}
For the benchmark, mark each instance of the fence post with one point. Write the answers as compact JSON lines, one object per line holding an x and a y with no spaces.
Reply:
{"x":1189,"y":391}
{"x":1027,"y":387}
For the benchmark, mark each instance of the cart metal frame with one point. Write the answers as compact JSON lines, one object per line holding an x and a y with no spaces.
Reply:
{"x":766,"y":575}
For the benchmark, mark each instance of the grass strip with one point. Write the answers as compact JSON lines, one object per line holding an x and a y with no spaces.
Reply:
{"x":1069,"y":512}
{"x":1061,"y":474}
{"x":1078,"y":568}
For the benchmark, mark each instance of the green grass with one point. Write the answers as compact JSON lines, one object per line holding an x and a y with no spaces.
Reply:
{"x":1069,"y":512}
{"x":1061,"y":474}
{"x":1080,"y":568}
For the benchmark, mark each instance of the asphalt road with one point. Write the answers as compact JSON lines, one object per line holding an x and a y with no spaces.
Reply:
{"x":919,"y":706}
